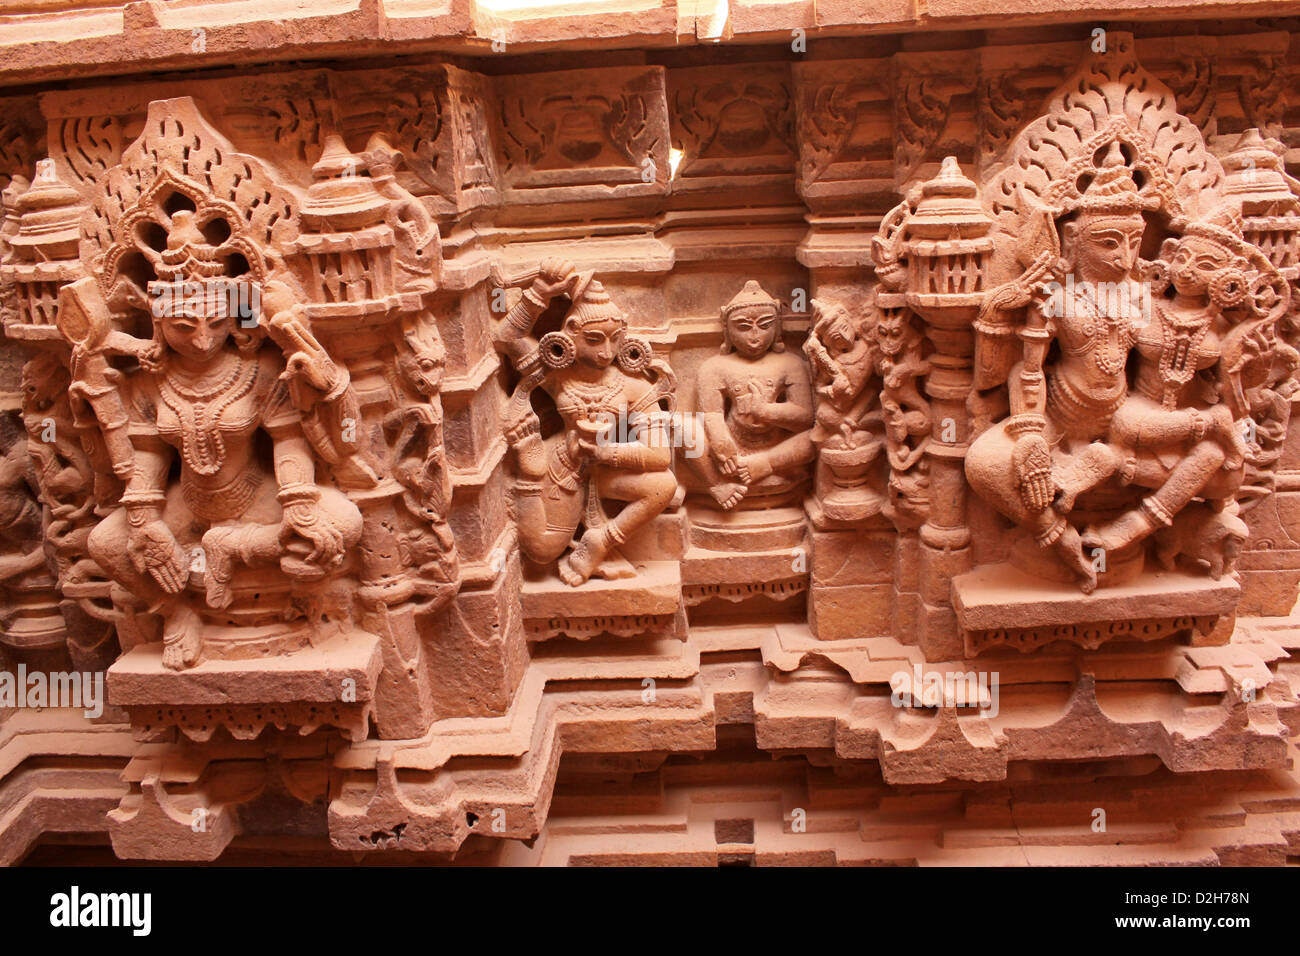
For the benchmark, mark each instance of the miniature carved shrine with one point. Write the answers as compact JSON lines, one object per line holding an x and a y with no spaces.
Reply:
{"x":473,"y":437}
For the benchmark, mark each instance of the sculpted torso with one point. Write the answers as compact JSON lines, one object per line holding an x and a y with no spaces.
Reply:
{"x":1095,"y":334}
{"x":1196,"y":349}
{"x":609,"y":393}
{"x":213,"y":433}
{"x":747,"y":385}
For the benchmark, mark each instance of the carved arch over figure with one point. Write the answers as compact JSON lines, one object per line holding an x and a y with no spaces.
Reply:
{"x":1051,"y":162}
{"x":180,"y":154}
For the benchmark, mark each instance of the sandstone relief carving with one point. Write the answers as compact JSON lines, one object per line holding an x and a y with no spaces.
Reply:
{"x":613,"y":446}
{"x":1127,"y":378}
{"x":755,"y":409}
{"x":202,"y":438}
{"x":410,"y":441}
{"x":207,"y":389}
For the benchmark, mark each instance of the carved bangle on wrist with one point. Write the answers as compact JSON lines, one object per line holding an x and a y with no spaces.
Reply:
{"x":1025,"y":424}
{"x":525,"y":489}
{"x":142,"y":506}
{"x":298,"y":494}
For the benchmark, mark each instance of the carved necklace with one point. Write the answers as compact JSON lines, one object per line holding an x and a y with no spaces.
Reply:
{"x":1108,"y":355}
{"x":591,"y":398}
{"x":200,"y":409}
{"x":1180,"y":341}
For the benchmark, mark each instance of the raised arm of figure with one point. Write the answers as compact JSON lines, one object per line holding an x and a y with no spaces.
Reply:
{"x":514,"y":335}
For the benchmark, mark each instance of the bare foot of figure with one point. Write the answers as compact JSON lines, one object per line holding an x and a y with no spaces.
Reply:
{"x":1070,"y":548}
{"x":753,"y":467}
{"x":728,"y":494}
{"x":735,"y":468}
{"x":582,"y":561}
{"x":182,"y":633}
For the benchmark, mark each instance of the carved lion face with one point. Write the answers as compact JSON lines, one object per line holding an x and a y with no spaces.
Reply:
{"x":891,"y":332}
{"x":422,"y":369}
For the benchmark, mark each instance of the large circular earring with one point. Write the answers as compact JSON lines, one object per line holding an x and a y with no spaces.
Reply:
{"x":634,"y":355}
{"x":1228,"y":288}
{"x":1157,"y":275}
{"x":557,"y":350}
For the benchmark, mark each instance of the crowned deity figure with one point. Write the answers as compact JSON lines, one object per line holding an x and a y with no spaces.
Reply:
{"x":1054,"y":446}
{"x":221,"y":465}
{"x":1181,"y":429}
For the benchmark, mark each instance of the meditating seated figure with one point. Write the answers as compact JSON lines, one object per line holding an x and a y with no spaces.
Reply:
{"x":1055,"y":444}
{"x":211,"y":394}
{"x":755,"y":406}
{"x":613,"y":445}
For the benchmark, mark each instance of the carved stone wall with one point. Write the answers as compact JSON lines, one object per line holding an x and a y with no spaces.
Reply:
{"x":450,"y":444}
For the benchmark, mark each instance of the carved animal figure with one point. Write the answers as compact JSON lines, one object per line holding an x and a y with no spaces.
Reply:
{"x":1208,"y":538}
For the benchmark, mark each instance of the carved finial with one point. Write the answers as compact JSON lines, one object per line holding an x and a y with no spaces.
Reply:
{"x":951,"y":181}
{"x":1114,"y":156}
{"x":47,"y":191}
{"x":48,"y":216}
{"x":336,"y":161}
{"x":344,"y":197}
{"x":1255,"y":171}
{"x":45,"y":172}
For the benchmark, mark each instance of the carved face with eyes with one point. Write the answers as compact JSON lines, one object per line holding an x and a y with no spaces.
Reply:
{"x":421,"y":361}
{"x":752,"y":330}
{"x":197,"y":337}
{"x":1195,"y":262}
{"x":891,"y":332}
{"x":1106,"y":248}
{"x":596,"y":344}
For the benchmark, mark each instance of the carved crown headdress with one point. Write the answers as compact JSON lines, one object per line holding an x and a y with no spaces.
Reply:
{"x":591,"y":304}
{"x":752,"y":294}
{"x":1224,"y":226}
{"x":1112,"y":191}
